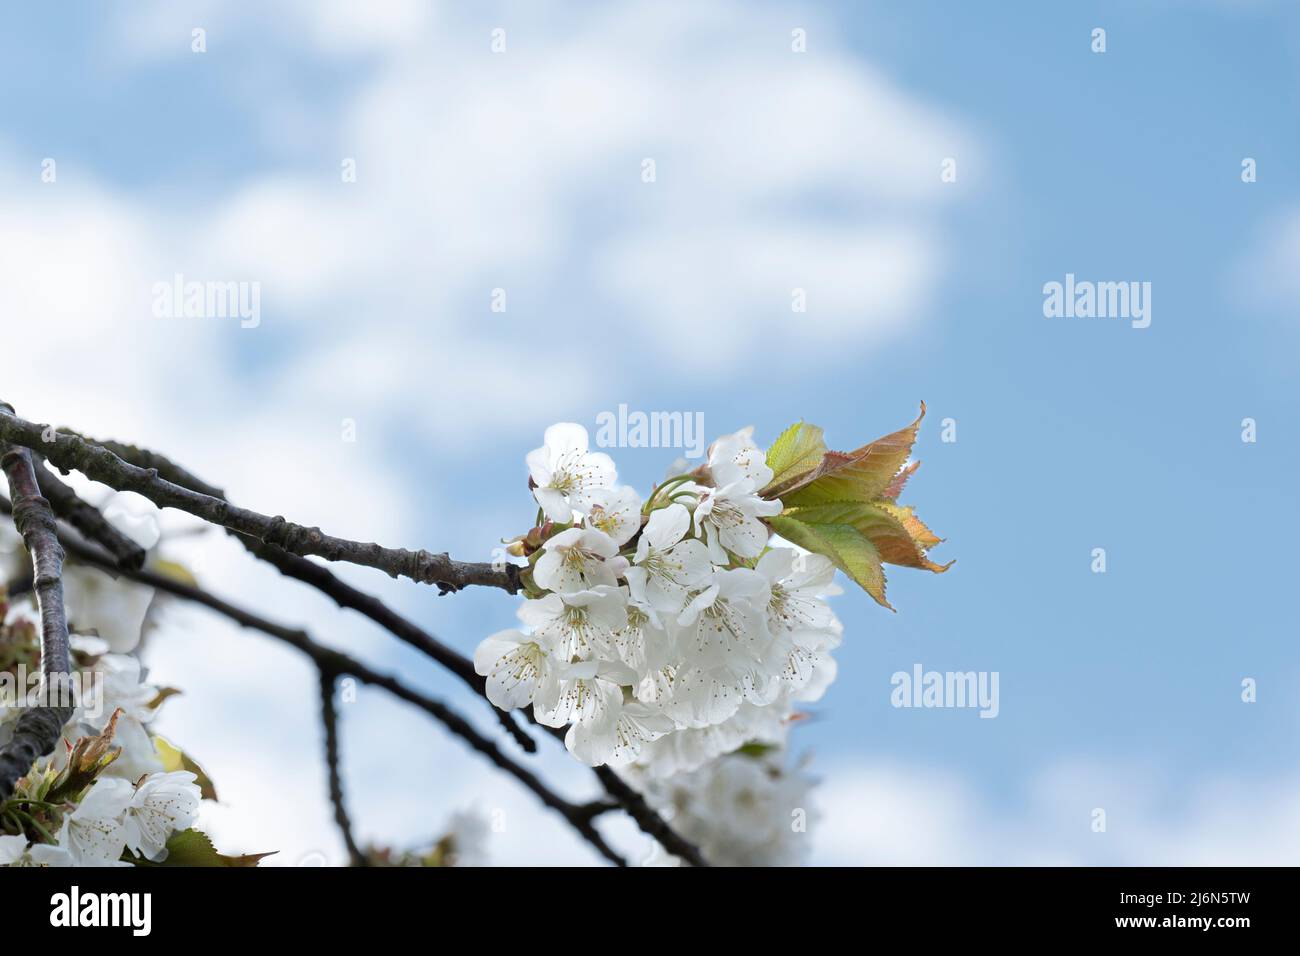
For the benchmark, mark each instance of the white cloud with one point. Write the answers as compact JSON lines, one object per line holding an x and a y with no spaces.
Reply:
{"x":718,"y":295}
{"x":522,"y":171}
{"x":156,"y":30}
{"x":910,"y":814}
{"x":890,"y":816}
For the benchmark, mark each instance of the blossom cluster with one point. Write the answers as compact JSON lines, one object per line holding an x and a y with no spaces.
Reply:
{"x":662,"y":631}
{"x":112,"y":817}
{"x":104,"y":794}
{"x":112,"y":792}
{"x":747,"y":808}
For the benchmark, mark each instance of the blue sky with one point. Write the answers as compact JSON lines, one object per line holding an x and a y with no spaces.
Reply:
{"x":775,"y":170}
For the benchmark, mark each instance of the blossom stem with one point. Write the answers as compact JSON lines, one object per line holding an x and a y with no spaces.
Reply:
{"x":659,"y":489}
{"x":25,"y":802}
{"x":35,"y":824}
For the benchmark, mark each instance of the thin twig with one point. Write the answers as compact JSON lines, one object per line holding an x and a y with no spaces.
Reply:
{"x":324,"y":580}
{"x":38,"y":729}
{"x":346,"y":596}
{"x":70,"y":452}
{"x":648,"y":819}
{"x":86,"y":518}
{"x":335,"y":662}
{"x":329,"y":719}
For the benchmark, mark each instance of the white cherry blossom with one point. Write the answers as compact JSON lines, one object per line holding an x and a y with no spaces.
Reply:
{"x":619,"y":743}
{"x":643,"y":642}
{"x":728,"y":520}
{"x":704,"y":696}
{"x":38,"y":854}
{"x":113,"y":609}
{"x":565,"y":473}
{"x":615,"y":511}
{"x":667,"y":564}
{"x":734,"y":458}
{"x":726,"y":619}
{"x":578,"y":559}
{"x":584,"y":692}
{"x":818,"y":672}
{"x":94,"y":833}
{"x":798,"y":584}
{"x":514,"y":665}
{"x":578,"y":625}
{"x":162,"y":804}
{"x":656,"y":687}
{"x":690,"y":748}
{"x":739,"y":810}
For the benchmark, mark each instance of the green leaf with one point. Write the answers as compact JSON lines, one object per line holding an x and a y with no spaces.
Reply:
{"x":896,"y":533}
{"x":193,"y":848}
{"x":173,"y":758}
{"x":860,"y":537}
{"x":845,"y":507}
{"x":865,"y":474}
{"x":851,"y":550}
{"x":895,"y":486}
{"x":797,"y":452}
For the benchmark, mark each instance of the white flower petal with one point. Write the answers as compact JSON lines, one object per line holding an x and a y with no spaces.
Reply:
{"x":565,"y":438}
{"x":666,"y":526}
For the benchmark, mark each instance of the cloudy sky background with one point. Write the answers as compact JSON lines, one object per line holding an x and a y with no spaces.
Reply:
{"x":775,"y":170}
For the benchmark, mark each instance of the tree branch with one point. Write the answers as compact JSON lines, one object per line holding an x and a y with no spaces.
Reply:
{"x":38,"y":729}
{"x":329,"y":719}
{"x":344,"y":595}
{"x":335,"y":662}
{"x":86,"y":518}
{"x":70,"y":452}
{"x":324,"y":580}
